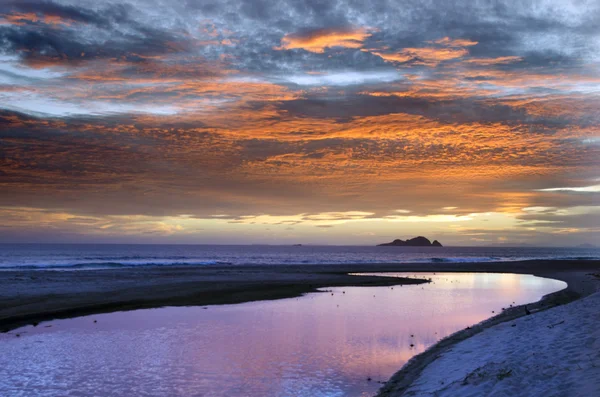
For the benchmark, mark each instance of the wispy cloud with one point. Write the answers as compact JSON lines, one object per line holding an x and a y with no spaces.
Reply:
{"x":580,"y":189}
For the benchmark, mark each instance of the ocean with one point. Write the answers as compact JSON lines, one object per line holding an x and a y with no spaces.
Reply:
{"x":89,"y":256}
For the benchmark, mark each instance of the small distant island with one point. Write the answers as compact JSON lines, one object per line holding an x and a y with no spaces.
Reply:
{"x":585,"y":245}
{"x":413,"y":242}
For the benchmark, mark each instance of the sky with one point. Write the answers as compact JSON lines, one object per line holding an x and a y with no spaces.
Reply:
{"x":300,"y":121}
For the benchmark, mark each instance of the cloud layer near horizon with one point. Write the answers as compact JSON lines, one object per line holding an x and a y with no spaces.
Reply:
{"x":200,"y":118}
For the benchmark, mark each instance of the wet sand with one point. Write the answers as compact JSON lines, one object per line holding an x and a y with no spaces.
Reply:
{"x":32,"y":296}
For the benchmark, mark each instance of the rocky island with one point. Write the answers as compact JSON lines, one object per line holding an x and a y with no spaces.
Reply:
{"x":413,"y":242}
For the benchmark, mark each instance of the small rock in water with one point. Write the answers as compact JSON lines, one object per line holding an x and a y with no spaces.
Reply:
{"x":369,"y":379}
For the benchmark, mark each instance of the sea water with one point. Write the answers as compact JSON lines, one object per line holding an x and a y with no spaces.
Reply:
{"x":86,"y":256}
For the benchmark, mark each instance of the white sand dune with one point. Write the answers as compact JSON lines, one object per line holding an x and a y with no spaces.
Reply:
{"x":552,"y":353}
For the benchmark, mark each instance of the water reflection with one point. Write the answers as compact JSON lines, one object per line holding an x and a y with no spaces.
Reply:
{"x":325,"y":344}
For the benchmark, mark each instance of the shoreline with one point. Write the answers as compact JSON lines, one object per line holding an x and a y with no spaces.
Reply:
{"x":580,"y":284}
{"x":33,"y":296}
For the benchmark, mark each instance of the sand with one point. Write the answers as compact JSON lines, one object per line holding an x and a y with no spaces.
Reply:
{"x":554,"y":351}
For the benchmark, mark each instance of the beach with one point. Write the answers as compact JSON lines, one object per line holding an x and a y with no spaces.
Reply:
{"x":552,"y":353}
{"x":552,"y":348}
{"x":32,"y":296}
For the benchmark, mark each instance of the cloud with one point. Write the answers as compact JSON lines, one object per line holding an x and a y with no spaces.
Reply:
{"x":568,"y":220}
{"x":582,"y":189}
{"x":49,"y":12}
{"x":447,"y":41}
{"x":319,"y":40}
{"x":493,"y":61}
{"x":287,"y":108}
{"x":110,"y":33}
{"x":425,"y":55}
{"x":437,"y":51}
{"x":343,"y":78}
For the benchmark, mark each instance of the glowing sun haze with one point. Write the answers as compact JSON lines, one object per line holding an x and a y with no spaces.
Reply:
{"x":334,"y":122}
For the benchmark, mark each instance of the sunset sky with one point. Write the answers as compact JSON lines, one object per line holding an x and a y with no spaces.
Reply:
{"x":281,"y":121}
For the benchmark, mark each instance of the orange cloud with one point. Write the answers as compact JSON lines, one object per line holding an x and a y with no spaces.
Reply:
{"x":319,"y":40}
{"x":30,"y":17}
{"x":427,"y":55}
{"x":529,"y":79}
{"x":493,"y":61}
{"x":447,"y":41}
{"x":360,"y":164}
{"x":444,"y":49}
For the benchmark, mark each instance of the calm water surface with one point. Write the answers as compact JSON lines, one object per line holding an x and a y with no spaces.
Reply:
{"x":322,"y":344}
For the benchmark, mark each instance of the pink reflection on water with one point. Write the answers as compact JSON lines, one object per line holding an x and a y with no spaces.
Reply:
{"x":317,"y":345}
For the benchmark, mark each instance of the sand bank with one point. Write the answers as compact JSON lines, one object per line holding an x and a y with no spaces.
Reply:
{"x":555,"y":351}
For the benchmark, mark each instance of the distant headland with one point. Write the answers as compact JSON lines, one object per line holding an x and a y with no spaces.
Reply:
{"x":413,"y":242}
